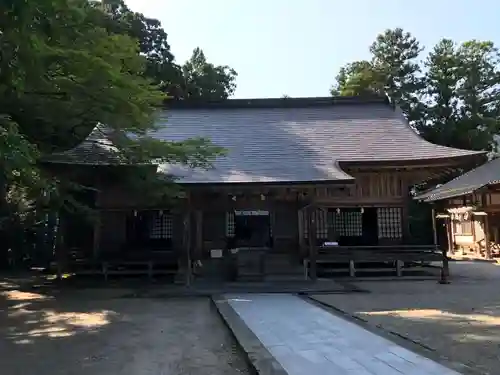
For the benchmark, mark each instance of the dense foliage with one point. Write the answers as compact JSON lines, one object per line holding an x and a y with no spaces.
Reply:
{"x":67,"y":66}
{"x":452,"y":97}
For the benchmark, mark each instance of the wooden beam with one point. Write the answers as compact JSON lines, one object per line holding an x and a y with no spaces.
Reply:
{"x":97,"y":235}
{"x":487,"y":237}
{"x":60,"y":248}
{"x":451,"y":235}
{"x":434,"y":228}
{"x":313,"y":248}
{"x":187,"y":240}
{"x":199,"y":234}
{"x":405,"y":211}
{"x":487,"y":245}
{"x":300,"y":225}
{"x":445,"y":270}
{"x":477,"y":248}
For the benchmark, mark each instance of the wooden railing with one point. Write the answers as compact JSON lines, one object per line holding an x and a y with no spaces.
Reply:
{"x":395,"y":254}
{"x":150,"y":263}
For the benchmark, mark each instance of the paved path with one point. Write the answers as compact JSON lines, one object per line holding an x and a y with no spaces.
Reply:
{"x":306,"y":339}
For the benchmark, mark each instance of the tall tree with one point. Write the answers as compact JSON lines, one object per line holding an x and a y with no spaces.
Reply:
{"x":462,"y":98}
{"x":62,"y":73}
{"x":394,"y":61}
{"x":392,"y":70}
{"x":357,"y":78}
{"x":453,"y":101}
{"x":197,"y":78}
{"x":206,"y":80}
{"x":152,"y":39}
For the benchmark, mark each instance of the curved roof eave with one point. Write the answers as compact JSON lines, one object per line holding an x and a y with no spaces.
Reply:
{"x":486,"y":174}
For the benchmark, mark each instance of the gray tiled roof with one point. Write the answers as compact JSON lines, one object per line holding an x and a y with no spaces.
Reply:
{"x":297,"y":144}
{"x":97,"y":148}
{"x":486,"y":174}
{"x":298,"y":140}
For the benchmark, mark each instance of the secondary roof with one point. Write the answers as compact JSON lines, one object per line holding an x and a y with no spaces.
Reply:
{"x":467,"y":183}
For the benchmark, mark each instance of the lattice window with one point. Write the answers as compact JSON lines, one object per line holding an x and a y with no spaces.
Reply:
{"x":321,"y":225}
{"x":389,"y":222}
{"x":230,"y":224}
{"x":349,"y":223}
{"x":330,"y":223}
{"x":161,"y":225}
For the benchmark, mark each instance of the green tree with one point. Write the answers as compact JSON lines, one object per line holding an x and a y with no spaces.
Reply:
{"x":392,"y":71}
{"x":197,"y":78}
{"x":462,"y":98}
{"x":454,"y":100}
{"x":63,"y":73}
{"x":394,"y":62}
{"x":357,"y":78}
{"x":153,"y":43}
{"x":206,"y":80}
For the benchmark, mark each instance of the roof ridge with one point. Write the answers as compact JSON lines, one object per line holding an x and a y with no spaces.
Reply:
{"x":299,"y":102}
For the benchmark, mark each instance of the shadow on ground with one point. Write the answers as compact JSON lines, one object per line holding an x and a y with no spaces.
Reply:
{"x":92,"y":332}
{"x":460,"y":321}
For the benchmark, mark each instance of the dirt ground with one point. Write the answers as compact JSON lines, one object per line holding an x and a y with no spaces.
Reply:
{"x":461,"y":321}
{"x":93,"y":333}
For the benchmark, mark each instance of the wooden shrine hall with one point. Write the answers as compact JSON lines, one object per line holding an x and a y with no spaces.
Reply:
{"x":299,"y":173}
{"x":467,"y":210}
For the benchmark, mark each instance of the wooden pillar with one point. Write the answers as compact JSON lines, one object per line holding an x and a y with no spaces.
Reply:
{"x":304,"y":245}
{"x":451,"y":235}
{"x":186,"y":245}
{"x":405,"y":214}
{"x":448,"y":233}
{"x":300,"y":228}
{"x":97,"y":235}
{"x":199,"y":234}
{"x":313,"y":248}
{"x":434,"y":227}
{"x":477,"y":247}
{"x":59,"y":246}
{"x":487,"y":236}
{"x":445,"y":270}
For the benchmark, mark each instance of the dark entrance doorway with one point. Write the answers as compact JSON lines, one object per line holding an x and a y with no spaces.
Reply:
{"x":370,"y":227}
{"x":252,"y":228}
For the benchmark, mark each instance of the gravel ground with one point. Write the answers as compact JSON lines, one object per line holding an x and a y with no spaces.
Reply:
{"x":461,"y":321}
{"x":87,"y":334}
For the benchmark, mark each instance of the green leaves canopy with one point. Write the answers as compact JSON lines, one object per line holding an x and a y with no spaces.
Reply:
{"x":452,"y":98}
{"x":196,"y":78}
{"x":67,"y":66}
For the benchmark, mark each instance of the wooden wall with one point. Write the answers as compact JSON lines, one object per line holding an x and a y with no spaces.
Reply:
{"x":375,"y":189}
{"x":369,"y":188}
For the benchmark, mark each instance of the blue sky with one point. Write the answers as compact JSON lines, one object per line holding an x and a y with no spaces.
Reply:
{"x":296,"y":47}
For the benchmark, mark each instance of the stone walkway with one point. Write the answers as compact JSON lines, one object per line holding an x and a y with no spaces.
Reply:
{"x":306,"y":339}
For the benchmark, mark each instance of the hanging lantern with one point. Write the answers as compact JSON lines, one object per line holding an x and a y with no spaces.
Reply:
{"x":262,"y":197}
{"x":362,"y":210}
{"x":161,"y":213}
{"x":233,"y":198}
{"x":135,"y":213}
{"x":338,"y":211}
